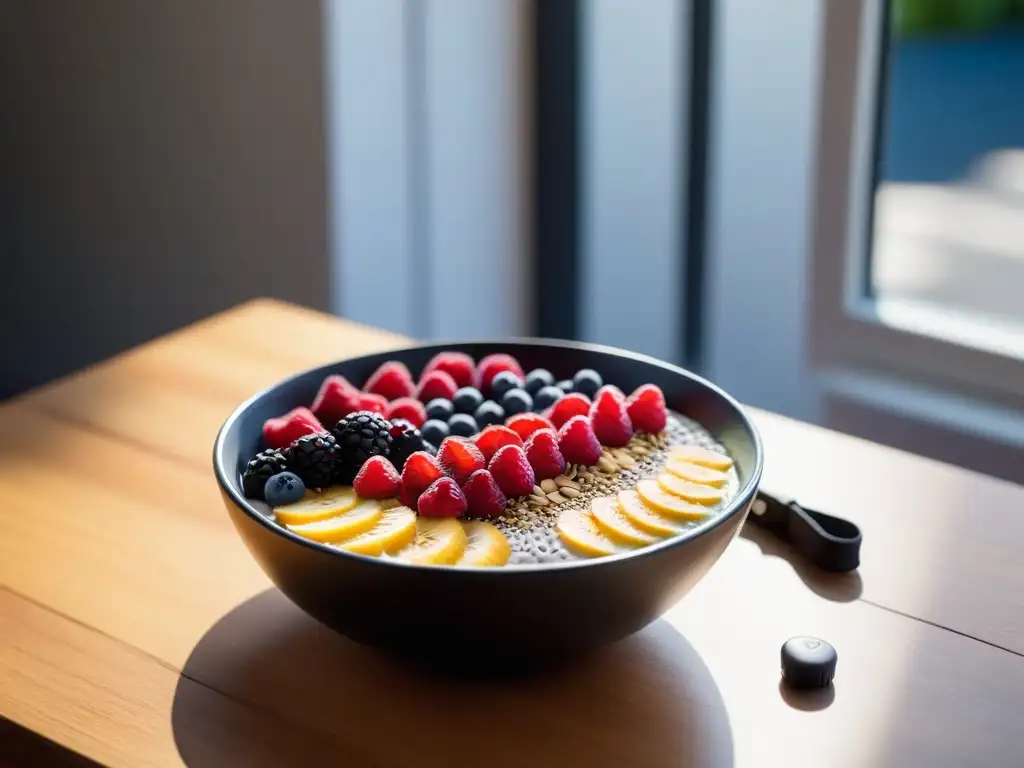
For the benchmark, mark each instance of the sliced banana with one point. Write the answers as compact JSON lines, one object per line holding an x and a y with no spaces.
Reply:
{"x":486,"y":545}
{"x":645,"y":518}
{"x":438,"y":541}
{"x":705,"y":457}
{"x":659,"y":500}
{"x":696,"y":473}
{"x":615,"y":525}
{"x":684,"y":489}
{"x":393,"y":531}
{"x":317,"y":505}
{"x":355,"y":521}
{"x":580,"y":533}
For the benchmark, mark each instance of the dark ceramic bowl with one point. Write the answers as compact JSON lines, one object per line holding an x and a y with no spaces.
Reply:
{"x":519,"y":611}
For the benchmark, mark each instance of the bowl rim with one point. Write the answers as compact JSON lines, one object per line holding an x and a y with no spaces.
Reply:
{"x":739,"y":501}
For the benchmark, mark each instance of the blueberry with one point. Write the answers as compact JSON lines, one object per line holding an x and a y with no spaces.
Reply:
{"x":503,"y":382}
{"x":587,"y":381}
{"x":467,"y":400}
{"x":434,"y":430}
{"x":440,"y":409}
{"x":283,"y":488}
{"x":565,"y":385}
{"x":462,"y":424}
{"x":547,"y":397}
{"x":517,"y":401}
{"x":537,"y":379}
{"x":489,"y":413}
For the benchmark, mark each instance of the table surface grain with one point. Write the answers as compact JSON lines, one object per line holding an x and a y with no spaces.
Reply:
{"x":136,"y":630}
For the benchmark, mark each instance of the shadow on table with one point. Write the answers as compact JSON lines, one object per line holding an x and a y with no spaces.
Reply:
{"x":838,"y":587}
{"x":647,"y":700}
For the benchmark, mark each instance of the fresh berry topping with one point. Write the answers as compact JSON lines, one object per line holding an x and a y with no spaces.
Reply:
{"x":336,"y":399}
{"x":463,"y":425}
{"x":421,"y":469}
{"x":587,"y":381}
{"x":502,"y":382}
{"x":525,"y":424}
{"x":612,"y":390}
{"x":609,"y":418}
{"x":459,"y":457}
{"x":443,"y":498}
{"x":377,"y":479}
{"x":283,"y":488}
{"x":467,"y":400}
{"x":261,"y":468}
{"x":483,"y":496}
{"x":577,"y":441}
{"x":546,"y":397}
{"x":313,"y":458}
{"x":436,"y":385}
{"x":495,"y":437}
{"x":435,"y":431}
{"x":405,"y":441}
{"x":574,"y":404}
{"x":492,"y":365}
{"x":537,"y":379}
{"x":646,"y":409}
{"x":458,"y":365}
{"x":565,"y":385}
{"x":409,"y":409}
{"x":517,"y":401}
{"x":284,"y":430}
{"x":544,"y":455}
{"x":440,"y":408}
{"x":360,"y":435}
{"x":512,"y":471}
{"x":489,"y":413}
{"x":371,"y":402}
{"x":391,"y":381}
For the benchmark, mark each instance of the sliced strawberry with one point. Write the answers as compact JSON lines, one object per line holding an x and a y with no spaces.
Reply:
{"x":459,"y":457}
{"x":336,"y":399}
{"x":436,"y":384}
{"x":525,"y":424}
{"x":458,"y":365}
{"x":371,"y":402}
{"x":611,"y":389}
{"x":494,"y":437}
{"x":420,"y":470}
{"x":646,"y":409}
{"x":512,"y":471}
{"x":544,"y":455}
{"x":407,"y":408}
{"x":443,"y":498}
{"x":483,"y":496}
{"x":282,"y":431}
{"x":577,"y":441}
{"x":391,"y":381}
{"x":573,"y":404}
{"x":492,"y":365}
{"x":377,"y":479}
{"x":609,"y":419}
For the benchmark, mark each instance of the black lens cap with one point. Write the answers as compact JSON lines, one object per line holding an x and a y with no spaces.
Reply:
{"x":808,"y":662}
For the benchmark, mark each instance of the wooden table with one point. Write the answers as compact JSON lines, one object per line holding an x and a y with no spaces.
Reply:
{"x":136,"y":630}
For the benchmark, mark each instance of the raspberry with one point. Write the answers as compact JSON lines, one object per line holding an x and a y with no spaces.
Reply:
{"x":512,"y":471}
{"x":492,"y":365}
{"x":646,"y":409}
{"x":371,"y":402}
{"x":391,"y":381}
{"x":377,"y":479}
{"x":483,"y":496}
{"x":421,"y":469}
{"x":407,"y":408}
{"x":458,"y":365}
{"x":494,"y":437}
{"x":525,"y":424}
{"x":436,"y":384}
{"x":609,"y":419}
{"x":543,"y":454}
{"x":459,"y":458}
{"x":335,"y":400}
{"x":577,"y":441}
{"x":573,"y":404}
{"x":443,"y":498}
{"x":284,"y":430}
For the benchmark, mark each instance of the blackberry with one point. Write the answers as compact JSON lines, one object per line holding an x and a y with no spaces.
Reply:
{"x":261,"y":468}
{"x":405,"y":441}
{"x":360,"y":435}
{"x":313,"y":459}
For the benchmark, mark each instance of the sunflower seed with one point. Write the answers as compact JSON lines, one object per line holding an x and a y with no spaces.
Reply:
{"x":537,"y":491}
{"x":569,"y":491}
{"x":540,"y":501}
{"x":548,"y":485}
{"x":571,"y":472}
{"x":557,"y":498}
{"x":607,"y":465}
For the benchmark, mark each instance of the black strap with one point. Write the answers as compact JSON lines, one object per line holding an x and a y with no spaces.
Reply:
{"x":831,"y":543}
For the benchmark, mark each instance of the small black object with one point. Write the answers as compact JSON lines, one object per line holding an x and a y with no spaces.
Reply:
{"x":405,"y":441}
{"x":566,"y":386}
{"x":283,"y":488}
{"x":360,"y":435}
{"x":434,"y":431}
{"x":441,"y":409}
{"x":502,"y":382}
{"x":462,"y":425}
{"x":587,"y":381}
{"x":261,"y":468}
{"x":517,"y":401}
{"x":831,"y":543}
{"x":546,"y":397}
{"x":537,"y":379}
{"x":467,"y":400}
{"x":489,"y":413}
{"x":314,"y":459}
{"x":808,"y":662}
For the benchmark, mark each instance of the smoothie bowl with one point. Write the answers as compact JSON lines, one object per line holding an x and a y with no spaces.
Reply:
{"x":513,"y":499}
